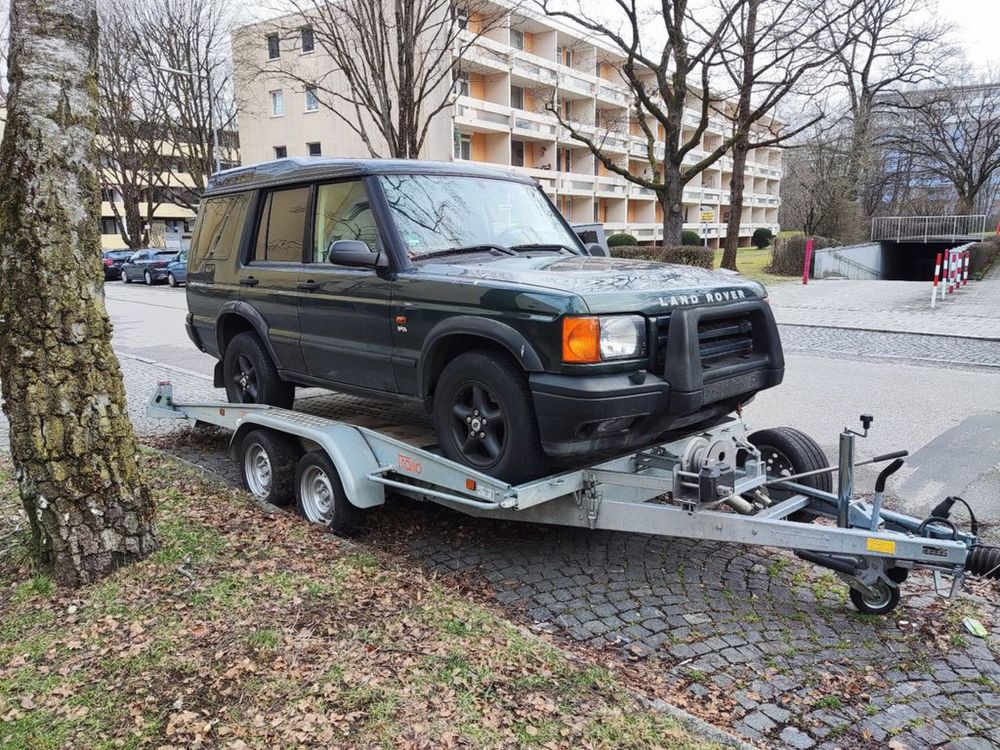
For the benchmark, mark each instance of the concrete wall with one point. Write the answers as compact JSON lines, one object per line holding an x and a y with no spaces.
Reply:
{"x":850,"y":261}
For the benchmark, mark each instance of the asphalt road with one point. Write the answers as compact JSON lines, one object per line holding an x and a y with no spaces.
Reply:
{"x":947,"y":415}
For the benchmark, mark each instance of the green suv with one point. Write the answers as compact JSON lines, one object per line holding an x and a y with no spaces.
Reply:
{"x":464,"y":288}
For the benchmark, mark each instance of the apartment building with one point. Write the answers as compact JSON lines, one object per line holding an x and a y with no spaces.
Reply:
{"x":505,"y":82}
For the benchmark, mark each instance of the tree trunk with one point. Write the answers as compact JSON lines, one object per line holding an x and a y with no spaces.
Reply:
{"x":71,"y":439}
{"x":736,"y":185}
{"x":671,"y":197}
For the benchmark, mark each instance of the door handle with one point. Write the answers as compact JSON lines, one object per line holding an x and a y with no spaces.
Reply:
{"x":309,"y":286}
{"x":249,"y":281}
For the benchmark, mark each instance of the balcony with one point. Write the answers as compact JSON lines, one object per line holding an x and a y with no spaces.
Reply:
{"x":571,"y":183}
{"x":483,"y":115}
{"x":534,"y":125}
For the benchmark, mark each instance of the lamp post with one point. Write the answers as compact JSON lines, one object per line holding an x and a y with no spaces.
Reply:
{"x":211,"y":107}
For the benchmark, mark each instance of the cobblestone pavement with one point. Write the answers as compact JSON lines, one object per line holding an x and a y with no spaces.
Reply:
{"x":922,"y":347}
{"x":901,"y":306}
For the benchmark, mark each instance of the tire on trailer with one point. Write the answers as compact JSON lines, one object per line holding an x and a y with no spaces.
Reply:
{"x":883,"y":604}
{"x":267,"y":462}
{"x":485,"y":419}
{"x":250,"y":376}
{"x":320,"y":495}
{"x":786,"y":451}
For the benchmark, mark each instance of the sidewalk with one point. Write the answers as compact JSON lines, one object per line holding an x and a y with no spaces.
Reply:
{"x":894,"y":306}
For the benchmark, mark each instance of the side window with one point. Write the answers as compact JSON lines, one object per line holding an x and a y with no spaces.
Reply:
{"x":342,"y":213}
{"x":281,"y":226}
{"x":220,"y":226}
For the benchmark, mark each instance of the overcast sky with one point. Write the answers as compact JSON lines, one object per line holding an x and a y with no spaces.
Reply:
{"x":978,"y":26}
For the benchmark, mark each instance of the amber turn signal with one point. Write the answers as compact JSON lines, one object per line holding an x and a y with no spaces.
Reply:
{"x":581,"y":340}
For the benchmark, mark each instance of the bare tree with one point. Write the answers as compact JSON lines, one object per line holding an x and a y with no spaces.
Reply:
{"x":951,"y":136}
{"x":815,"y":182}
{"x":892,"y":45}
{"x":71,"y":438}
{"x":132,"y":126}
{"x":777,"y":52}
{"x":393,"y":64}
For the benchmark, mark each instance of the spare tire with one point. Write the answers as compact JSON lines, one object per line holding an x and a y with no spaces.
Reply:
{"x":786,"y":451}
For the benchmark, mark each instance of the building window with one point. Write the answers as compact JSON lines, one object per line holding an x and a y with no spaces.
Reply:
{"x":280,"y":152}
{"x":564,"y":162}
{"x":273,"y":47}
{"x":517,"y":97}
{"x":462,"y":87}
{"x":567,"y":108}
{"x":517,"y":153}
{"x":109,"y":226}
{"x":565,"y":56}
{"x":517,"y":39}
{"x":461,"y":16}
{"x":308,"y":43}
{"x":312,"y":103}
{"x":314,"y":149}
{"x":277,"y":103}
{"x":463,"y":147}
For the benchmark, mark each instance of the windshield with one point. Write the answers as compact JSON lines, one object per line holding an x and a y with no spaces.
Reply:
{"x":441,"y":212}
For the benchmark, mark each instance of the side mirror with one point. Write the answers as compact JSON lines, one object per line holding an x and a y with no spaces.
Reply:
{"x":351,"y":253}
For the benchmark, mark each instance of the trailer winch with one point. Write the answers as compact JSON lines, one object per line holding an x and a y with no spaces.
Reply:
{"x":772,"y":488}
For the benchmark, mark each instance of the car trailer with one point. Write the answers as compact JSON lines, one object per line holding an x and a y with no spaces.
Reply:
{"x":772,"y":489}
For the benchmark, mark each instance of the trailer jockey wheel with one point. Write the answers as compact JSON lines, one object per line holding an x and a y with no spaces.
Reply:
{"x":786,"y":451}
{"x":882,"y":604}
{"x":321,"y":497}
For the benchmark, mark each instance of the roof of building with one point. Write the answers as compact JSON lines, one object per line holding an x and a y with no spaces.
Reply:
{"x":312,"y":168}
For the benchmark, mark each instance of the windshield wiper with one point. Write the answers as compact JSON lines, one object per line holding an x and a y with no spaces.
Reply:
{"x":468,"y":249}
{"x":545,"y":246}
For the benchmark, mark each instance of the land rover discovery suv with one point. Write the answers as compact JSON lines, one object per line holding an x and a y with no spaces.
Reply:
{"x":462,"y":287}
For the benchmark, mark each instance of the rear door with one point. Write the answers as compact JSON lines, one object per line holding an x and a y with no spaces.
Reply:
{"x":270,"y":272}
{"x":344,"y":312}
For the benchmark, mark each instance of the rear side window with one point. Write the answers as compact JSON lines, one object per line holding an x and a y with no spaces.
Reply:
{"x":282,"y":226}
{"x":220,"y":225}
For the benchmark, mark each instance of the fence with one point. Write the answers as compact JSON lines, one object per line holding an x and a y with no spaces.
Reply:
{"x":928,"y":228}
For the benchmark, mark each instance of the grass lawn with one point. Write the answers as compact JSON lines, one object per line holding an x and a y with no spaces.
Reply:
{"x":751,"y":262}
{"x":251,"y":631}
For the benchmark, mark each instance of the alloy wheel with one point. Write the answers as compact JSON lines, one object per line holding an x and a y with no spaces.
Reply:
{"x":246,"y":380}
{"x":479,"y":427}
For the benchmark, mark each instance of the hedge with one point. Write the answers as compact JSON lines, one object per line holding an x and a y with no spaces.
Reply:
{"x":982,"y":256}
{"x":789,"y":254}
{"x":685,"y":255}
{"x":622,"y":240}
{"x":690,"y":237}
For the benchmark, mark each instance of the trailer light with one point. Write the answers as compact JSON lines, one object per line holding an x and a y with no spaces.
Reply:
{"x":470,"y":485}
{"x":581,"y":340}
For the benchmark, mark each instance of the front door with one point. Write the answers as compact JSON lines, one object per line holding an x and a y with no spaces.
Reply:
{"x":344,"y":312}
{"x":269,"y":277}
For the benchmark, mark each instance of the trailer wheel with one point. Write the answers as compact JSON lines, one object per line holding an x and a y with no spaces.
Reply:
{"x":267,"y":459}
{"x":321,"y":497}
{"x":786,"y":451}
{"x":882,"y":604}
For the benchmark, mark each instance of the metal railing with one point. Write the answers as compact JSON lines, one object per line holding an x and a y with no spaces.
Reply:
{"x":928,"y":228}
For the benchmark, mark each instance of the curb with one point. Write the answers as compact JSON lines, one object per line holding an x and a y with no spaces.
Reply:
{"x":892,"y":330}
{"x":157,"y":363}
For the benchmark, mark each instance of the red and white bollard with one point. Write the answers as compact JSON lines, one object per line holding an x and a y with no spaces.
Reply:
{"x":937,"y":274}
{"x":946,"y":286}
{"x":965,"y":267}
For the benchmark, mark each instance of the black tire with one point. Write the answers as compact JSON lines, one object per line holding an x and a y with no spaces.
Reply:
{"x":883,"y":605}
{"x":250,"y":375}
{"x":148,"y":278}
{"x":267,"y":463}
{"x":788,"y":451}
{"x":171,"y":281}
{"x":320,"y":496}
{"x":481,"y":384}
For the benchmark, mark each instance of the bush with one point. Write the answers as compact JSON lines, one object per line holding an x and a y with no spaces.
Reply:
{"x":789,"y":255}
{"x":684,"y":255}
{"x":690,"y":237}
{"x":762,"y":237}
{"x":982,"y":256}
{"x":622,"y":240}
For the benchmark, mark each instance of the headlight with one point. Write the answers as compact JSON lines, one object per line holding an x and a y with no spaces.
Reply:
{"x":595,"y":339}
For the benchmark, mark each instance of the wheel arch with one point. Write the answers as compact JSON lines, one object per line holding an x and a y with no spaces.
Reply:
{"x":464,"y":333}
{"x":235,"y":318}
{"x":345,"y":446}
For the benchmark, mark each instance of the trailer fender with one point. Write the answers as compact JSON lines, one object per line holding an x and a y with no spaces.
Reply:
{"x":344,"y":445}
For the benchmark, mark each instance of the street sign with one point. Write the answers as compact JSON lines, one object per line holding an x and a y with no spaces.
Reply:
{"x":708,"y":217}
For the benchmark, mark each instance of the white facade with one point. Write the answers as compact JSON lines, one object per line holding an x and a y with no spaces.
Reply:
{"x":499,"y":117}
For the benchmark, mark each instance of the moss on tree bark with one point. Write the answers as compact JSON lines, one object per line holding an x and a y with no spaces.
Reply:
{"x":71,"y":440}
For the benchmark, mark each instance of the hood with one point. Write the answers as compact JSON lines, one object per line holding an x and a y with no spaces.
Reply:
{"x":609,"y":284}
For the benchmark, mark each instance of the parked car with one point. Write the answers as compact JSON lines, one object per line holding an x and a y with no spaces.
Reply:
{"x":177,"y":269}
{"x":463,"y":288}
{"x":113,"y":261}
{"x":149,"y":266}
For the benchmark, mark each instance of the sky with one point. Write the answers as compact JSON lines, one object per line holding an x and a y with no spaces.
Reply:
{"x":978,"y":29}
